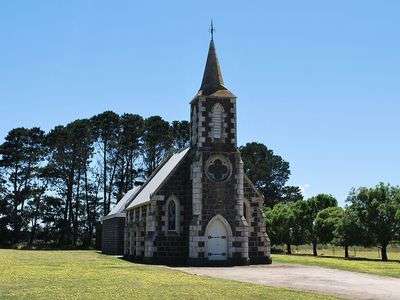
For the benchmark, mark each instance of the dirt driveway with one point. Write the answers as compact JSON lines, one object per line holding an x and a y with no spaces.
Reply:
{"x":345,"y":284}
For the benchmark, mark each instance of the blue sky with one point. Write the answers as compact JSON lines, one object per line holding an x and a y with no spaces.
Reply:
{"x":317,"y":81}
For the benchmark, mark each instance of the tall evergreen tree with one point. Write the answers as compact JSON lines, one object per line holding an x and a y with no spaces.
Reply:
{"x":21,"y":156}
{"x":291,"y":194}
{"x":157,"y":141}
{"x":50,"y":184}
{"x":180,"y":134}
{"x":4,"y":212}
{"x":106,"y":129}
{"x":36,"y":204}
{"x":130,"y":134}
{"x":70,"y":153}
{"x":269,"y":173}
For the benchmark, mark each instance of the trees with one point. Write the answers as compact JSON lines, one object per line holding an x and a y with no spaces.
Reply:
{"x":105,"y":128}
{"x":118,"y":144}
{"x":376,"y":209}
{"x":180,"y":134}
{"x":269,"y":173}
{"x":397,"y":203}
{"x":291,"y":194}
{"x":372,"y":217}
{"x":50,"y":184}
{"x":157,"y":140}
{"x":280,"y":223}
{"x":306,"y":213}
{"x":398,"y":222}
{"x":4,"y":212}
{"x":326,"y":222}
{"x":348,"y":231}
{"x":128,"y":144}
{"x":70,"y":152}
{"x":21,"y":156}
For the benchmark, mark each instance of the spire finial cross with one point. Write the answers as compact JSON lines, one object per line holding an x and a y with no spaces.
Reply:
{"x":212,"y":29}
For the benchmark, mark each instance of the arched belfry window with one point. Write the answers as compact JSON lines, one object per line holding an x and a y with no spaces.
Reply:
{"x":217,"y":121}
{"x":173,"y":214}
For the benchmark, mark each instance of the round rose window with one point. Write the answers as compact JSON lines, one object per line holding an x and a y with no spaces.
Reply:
{"x":218,"y":168}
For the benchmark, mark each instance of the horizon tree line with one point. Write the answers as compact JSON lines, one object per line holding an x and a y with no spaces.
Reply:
{"x":55,"y":186}
{"x":371,"y":217}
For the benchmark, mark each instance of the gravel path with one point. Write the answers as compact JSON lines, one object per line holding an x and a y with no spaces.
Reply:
{"x":345,"y":284}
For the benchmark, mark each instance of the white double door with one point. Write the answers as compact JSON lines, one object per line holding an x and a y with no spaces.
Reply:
{"x":217,"y":243}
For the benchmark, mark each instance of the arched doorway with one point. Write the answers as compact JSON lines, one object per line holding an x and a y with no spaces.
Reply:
{"x":218,"y":234}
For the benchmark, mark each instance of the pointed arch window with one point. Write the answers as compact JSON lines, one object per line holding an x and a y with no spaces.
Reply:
{"x":217,"y":117}
{"x":172,"y":215}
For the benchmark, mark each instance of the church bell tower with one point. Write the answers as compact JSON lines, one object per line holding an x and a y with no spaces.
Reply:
{"x":218,"y":230}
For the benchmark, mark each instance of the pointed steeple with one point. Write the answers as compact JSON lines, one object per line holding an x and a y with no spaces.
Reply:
{"x":212,"y":77}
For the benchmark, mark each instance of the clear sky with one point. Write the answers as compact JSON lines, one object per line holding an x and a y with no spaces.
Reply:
{"x":317,"y":81}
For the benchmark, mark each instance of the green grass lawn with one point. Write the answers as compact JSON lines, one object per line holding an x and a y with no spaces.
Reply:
{"x":366,"y":262}
{"x":89,"y":275}
{"x":354,"y":252}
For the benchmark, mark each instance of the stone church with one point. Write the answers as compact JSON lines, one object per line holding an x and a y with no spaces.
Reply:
{"x":198,"y":207}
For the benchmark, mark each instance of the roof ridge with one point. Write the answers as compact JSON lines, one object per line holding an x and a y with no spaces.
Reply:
{"x":162,"y":163}
{"x":155,"y":172}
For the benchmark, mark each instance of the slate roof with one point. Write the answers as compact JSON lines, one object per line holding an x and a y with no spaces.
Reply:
{"x":213,"y":83}
{"x":118,"y":210}
{"x":157,"y":179}
{"x":120,"y":206}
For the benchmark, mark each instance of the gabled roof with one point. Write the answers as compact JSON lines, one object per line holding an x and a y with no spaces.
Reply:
{"x":119,"y":208}
{"x":249,"y":182}
{"x":157,"y":179}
